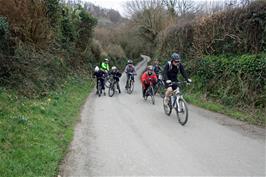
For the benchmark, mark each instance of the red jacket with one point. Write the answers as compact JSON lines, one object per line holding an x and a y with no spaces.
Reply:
{"x":145,"y":79}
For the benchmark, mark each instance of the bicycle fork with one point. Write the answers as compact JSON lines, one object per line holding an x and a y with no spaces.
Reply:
{"x":176,"y":103}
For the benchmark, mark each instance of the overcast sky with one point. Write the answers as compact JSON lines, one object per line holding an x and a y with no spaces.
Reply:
{"x":110,"y":4}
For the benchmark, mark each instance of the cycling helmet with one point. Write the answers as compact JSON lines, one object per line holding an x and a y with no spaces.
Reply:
{"x":96,"y":69}
{"x":150,"y":69}
{"x":130,"y":62}
{"x":114,"y":68}
{"x":175,"y":57}
{"x":106,"y":60}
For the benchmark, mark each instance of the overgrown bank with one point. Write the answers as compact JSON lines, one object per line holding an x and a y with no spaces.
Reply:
{"x":44,"y":42}
{"x":235,"y":82}
{"x":35,"y":133}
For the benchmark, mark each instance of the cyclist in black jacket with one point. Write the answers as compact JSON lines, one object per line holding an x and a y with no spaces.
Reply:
{"x":99,"y":74}
{"x":156,"y":68}
{"x":116,"y":74}
{"x":170,"y":72}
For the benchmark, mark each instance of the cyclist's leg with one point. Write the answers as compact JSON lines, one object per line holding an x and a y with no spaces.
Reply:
{"x":103,"y":84}
{"x":97,"y":85}
{"x":169,"y":90}
{"x":143,"y":90}
{"x":118,"y":86}
{"x":127,"y":80}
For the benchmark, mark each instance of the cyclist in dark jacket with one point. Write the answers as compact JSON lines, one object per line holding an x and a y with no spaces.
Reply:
{"x":99,"y":74}
{"x":116,"y":75}
{"x":170,"y":72}
{"x":156,"y":68}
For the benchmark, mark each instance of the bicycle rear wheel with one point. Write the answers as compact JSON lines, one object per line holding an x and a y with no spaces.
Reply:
{"x":161,"y":89}
{"x":182,"y":112}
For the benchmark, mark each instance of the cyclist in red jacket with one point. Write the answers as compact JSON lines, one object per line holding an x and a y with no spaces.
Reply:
{"x":147,"y":77}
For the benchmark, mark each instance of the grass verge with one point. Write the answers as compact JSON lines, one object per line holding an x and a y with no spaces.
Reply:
{"x":35,"y":133}
{"x":255,"y":118}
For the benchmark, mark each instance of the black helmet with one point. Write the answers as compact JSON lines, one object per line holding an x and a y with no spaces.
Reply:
{"x":175,"y":57}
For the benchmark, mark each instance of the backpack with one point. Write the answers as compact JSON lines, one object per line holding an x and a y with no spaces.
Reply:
{"x":169,"y":65}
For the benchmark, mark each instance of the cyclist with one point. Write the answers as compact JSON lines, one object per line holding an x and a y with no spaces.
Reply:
{"x":148,"y":76}
{"x":170,"y":72}
{"x":156,"y":68}
{"x":130,"y":70}
{"x":116,"y":75}
{"x":105,"y":65}
{"x":99,"y":74}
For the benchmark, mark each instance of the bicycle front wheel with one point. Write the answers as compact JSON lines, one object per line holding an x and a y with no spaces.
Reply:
{"x":111,"y":90}
{"x":182,"y":112}
{"x":130,"y":87}
{"x":107,"y":82}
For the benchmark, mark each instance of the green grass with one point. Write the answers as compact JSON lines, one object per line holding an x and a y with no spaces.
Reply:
{"x":255,"y":118}
{"x":35,"y":134}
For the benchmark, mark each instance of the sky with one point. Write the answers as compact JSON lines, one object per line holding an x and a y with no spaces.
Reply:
{"x":110,"y":4}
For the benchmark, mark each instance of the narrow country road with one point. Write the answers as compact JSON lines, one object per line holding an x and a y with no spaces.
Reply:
{"x":125,"y":135}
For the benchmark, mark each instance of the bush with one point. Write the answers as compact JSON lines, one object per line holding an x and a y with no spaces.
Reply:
{"x":236,"y":31}
{"x":4,"y":35}
{"x":42,"y":42}
{"x":235,"y":80}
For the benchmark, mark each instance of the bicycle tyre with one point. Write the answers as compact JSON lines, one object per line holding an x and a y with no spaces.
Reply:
{"x":161,"y":89}
{"x":111,"y":90}
{"x":182,"y":115}
{"x":130,"y":87}
{"x":107,"y":82}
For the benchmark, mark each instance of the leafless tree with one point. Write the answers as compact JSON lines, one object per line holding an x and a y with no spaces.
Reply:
{"x":135,"y":6}
{"x":182,"y":7}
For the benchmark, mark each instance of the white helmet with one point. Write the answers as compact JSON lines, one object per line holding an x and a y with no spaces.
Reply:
{"x":107,"y":60}
{"x":114,"y":68}
{"x":96,"y":69}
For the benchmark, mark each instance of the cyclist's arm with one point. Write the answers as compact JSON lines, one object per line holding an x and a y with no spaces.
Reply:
{"x":134,"y":71}
{"x":126,"y":69}
{"x":183,"y":72}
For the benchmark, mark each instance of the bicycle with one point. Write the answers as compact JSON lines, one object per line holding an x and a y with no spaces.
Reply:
{"x":159,"y":87}
{"x":150,"y":92}
{"x":113,"y":85}
{"x":130,"y":83}
{"x":177,"y":102}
